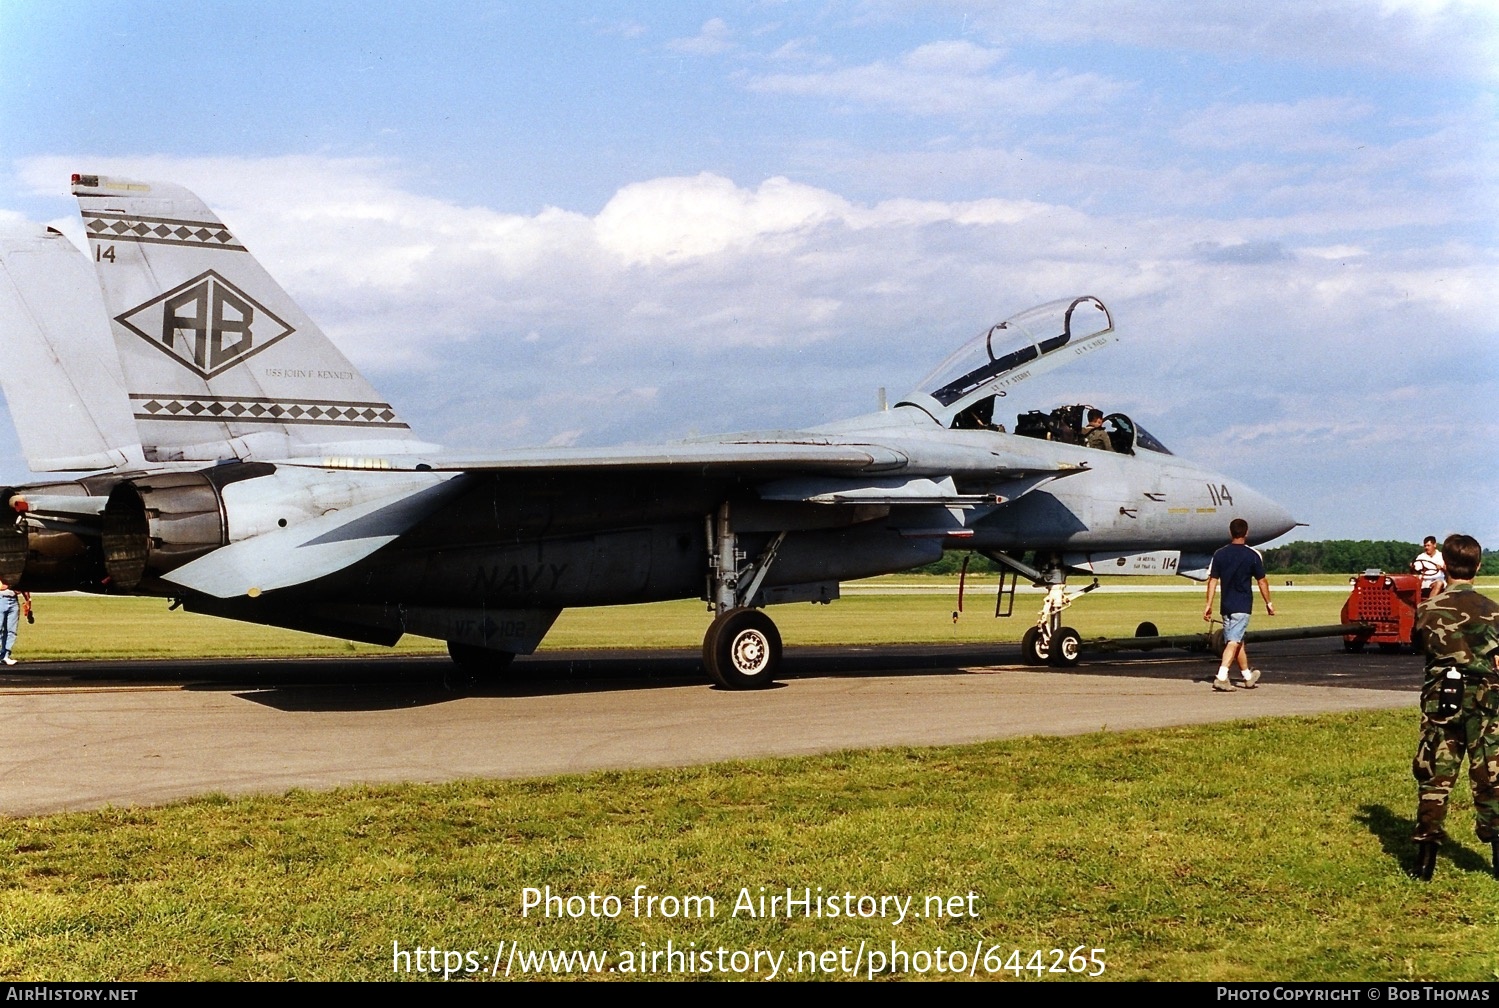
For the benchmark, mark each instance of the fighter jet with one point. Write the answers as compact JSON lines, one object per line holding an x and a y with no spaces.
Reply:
{"x":237,"y":464}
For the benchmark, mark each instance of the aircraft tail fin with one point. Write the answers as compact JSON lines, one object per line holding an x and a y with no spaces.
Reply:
{"x":218,"y":361}
{"x":61,"y":375}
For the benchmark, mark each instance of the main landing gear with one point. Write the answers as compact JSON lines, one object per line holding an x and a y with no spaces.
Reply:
{"x":742,"y":648}
{"x":1049,"y":642}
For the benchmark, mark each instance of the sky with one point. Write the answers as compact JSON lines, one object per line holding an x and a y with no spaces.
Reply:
{"x":624,"y":222}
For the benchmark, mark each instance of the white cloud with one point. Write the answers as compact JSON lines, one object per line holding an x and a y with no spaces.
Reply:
{"x":1455,"y":37}
{"x":695,"y":303}
{"x":623,"y":29}
{"x":677,"y":218}
{"x":713,"y":37}
{"x":1312,"y":124}
{"x":946,"y":78}
{"x":1280,"y":245}
{"x":950,"y":57}
{"x":797,"y":50}
{"x":1337,"y":252}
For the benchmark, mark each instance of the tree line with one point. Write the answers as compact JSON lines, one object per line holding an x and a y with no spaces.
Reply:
{"x":1350,"y":556}
{"x":1341,"y":556}
{"x":1328,"y":556}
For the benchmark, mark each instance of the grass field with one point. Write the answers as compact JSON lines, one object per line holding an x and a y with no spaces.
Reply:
{"x":1264,"y":850}
{"x":1261,"y":850}
{"x":77,"y":626}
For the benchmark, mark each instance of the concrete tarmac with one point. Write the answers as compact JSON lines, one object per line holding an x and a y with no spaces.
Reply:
{"x":84,"y":735}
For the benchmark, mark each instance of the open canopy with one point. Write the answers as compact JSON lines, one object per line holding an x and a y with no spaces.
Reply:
{"x":1032,"y":342}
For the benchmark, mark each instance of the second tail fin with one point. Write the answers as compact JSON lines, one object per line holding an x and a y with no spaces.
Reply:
{"x":61,"y":377}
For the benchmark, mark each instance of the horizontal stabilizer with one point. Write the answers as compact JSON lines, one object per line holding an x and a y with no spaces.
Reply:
{"x":309,"y":550}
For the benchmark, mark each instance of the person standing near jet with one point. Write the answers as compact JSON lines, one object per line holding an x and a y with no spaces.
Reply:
{"x":1236,"y":566}
{"x":13,"y":604}
{"x":1459,"y":704}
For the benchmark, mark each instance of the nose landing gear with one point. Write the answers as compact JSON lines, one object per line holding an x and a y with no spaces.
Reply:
{"x":1049,"y":642}
{"x":1062,"y":647}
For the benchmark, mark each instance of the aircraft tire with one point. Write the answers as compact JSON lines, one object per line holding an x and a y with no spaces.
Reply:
{"x":1353,"y":646}
{"x":1147,"y":629}
{"x":1032,"y":651}
{"x":742,"y":650}
{"x":1066,"y":648}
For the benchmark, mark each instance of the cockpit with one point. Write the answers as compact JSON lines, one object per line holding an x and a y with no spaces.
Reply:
{"x":964,"y":392}
{"x":1070,"y":425}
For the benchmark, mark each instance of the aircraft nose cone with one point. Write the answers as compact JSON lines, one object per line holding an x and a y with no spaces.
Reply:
{"x":1266,"y":518}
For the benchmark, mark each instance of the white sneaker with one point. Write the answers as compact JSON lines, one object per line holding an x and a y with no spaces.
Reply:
{"x":1251,"y":678}
{"x":1221,"y":685}
{"x":10,"y":661}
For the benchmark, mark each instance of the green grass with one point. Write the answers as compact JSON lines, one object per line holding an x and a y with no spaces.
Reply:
{"x":1262,"y":850}
{"x":76,"y":626}
{"x":1269,"y":849}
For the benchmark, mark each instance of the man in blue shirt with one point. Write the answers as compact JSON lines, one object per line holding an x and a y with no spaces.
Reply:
{"x":1237,"y":567}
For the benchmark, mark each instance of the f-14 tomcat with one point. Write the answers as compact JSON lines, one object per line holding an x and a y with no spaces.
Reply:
{"x":243,"y":468}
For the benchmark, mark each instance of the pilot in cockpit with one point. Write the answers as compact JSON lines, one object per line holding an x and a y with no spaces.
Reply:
{"x":1094,"y":436}
{"x":979,"y":416}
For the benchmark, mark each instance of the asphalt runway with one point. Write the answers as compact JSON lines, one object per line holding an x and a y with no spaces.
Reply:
{"x":84,"y":735}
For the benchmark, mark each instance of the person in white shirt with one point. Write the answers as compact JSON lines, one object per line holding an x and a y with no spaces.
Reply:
{"x":1428,"y":564}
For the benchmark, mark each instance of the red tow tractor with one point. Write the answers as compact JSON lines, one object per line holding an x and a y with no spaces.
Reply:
{"x":1385,"y":604}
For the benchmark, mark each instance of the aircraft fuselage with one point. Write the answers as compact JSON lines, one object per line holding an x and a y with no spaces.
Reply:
{"x":253,"y":473}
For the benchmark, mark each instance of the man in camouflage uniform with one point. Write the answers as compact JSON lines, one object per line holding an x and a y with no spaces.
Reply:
{"x":1460,"y":628}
